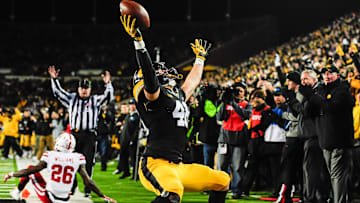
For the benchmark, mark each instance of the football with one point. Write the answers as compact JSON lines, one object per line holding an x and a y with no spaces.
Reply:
{"x":136,"y":10}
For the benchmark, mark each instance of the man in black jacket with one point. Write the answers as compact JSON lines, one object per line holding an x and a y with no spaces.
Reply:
{"x":209,"y":128}
{"x":128,"y":140}
{"x":315,"y":175}
{"x":105,"y":126}
{"x":334,"y":126}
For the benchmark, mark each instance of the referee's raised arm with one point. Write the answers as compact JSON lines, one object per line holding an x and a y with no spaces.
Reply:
{"x":59,"y":93}
{"x":108,"y":95}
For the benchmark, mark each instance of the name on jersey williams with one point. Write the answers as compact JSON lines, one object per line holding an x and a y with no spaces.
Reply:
{"x":64,"y":159}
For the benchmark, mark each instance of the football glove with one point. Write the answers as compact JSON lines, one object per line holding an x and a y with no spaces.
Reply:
{"x":108,"y":199}
{"x":201,"y":48}
{"x":7,"y":176}
{"x":130,"y":29}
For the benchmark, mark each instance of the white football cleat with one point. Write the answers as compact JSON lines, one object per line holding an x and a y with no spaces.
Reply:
{"x":15,"y":193}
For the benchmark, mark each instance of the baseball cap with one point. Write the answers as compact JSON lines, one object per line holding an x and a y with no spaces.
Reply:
{"x":85,"y":83}
{"x":330,"y":68}
{"x":294,"y":76}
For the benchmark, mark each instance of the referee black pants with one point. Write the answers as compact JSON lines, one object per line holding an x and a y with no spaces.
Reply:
{"x":86,"y":145}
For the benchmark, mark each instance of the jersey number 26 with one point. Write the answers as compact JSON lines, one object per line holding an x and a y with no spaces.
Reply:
{"x":60,"y":175}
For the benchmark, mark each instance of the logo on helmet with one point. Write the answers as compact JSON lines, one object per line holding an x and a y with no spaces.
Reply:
{"x":65,"y":143}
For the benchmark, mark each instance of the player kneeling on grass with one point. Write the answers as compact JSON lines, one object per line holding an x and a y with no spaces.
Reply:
{"x":62,"y":165}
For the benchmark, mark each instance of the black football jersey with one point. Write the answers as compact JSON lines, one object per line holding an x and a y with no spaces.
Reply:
{"x":167,"y":120}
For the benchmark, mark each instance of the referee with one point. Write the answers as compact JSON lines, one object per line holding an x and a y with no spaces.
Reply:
{"x":83,"y":114}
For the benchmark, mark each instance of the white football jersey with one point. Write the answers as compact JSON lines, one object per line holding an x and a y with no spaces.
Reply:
{"x":62,"y":168}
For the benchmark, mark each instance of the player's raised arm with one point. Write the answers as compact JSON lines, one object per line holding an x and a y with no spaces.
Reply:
{"x":151,"y":82}
{"x":92,"y":185}
{"x":201,"y":50}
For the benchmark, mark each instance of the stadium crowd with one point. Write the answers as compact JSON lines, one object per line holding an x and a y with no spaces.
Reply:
{"x":255,"y":115}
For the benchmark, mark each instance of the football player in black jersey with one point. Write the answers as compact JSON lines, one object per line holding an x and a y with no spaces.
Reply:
{"x":162,"y":108}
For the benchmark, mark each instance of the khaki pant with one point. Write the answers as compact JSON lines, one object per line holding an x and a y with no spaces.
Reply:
{"x":45,"y":140}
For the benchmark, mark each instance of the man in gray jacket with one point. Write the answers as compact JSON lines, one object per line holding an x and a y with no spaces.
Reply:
{"x":293,"y":150}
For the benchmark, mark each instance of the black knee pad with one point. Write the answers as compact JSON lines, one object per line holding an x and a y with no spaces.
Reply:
{"x":170,"y":198}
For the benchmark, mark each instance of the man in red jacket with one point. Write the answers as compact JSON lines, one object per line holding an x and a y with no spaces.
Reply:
{"x":232,"y":141}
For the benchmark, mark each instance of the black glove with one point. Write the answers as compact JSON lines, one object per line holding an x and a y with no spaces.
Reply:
{"x":289,"y":95}
{"x":306,"y":90}
{"x":227,"y":96}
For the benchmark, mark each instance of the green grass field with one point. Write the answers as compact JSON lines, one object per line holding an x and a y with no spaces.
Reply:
{"x":129,"y":191}
{"x":7,"y":166}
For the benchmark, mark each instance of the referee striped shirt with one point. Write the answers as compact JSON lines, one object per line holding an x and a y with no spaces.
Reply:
{"x":83,"y":113}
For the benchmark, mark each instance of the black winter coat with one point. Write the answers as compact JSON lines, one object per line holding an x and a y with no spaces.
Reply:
{"x":332,"y":107}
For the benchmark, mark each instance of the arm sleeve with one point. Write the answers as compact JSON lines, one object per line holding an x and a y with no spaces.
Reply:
{"x":269,"y":100}
{"x":222,"y":114}
{"x":59,"y":93}
{"x":281,"y":75}
{"x":18,"y":115}
{"x":45,"y":157}
{"x":289,"y":116}
{"x":210,"y":108}
{"x":82,"y":159}
{"x":151,"y":82}
{"x":107,"y":97}
{"x":244,"y":113}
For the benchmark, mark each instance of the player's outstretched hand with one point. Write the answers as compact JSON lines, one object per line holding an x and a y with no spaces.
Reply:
{"x":106,"y":77}
{"x":7,"y":176}
{"x":53,"y":72}
{"x":108,"y":199}
{"x":201,"y":48}
{"x":130,"y":29}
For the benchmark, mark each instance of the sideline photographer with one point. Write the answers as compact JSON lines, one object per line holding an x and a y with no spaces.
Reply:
{"x":10,"y":118}
{"x":232,"y":142}
{"x":209,"y":129}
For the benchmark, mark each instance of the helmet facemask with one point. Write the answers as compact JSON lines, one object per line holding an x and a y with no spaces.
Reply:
{"x":166,"y":76}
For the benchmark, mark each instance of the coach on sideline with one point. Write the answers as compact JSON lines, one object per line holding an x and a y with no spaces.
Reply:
{"x":83,"y":114}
